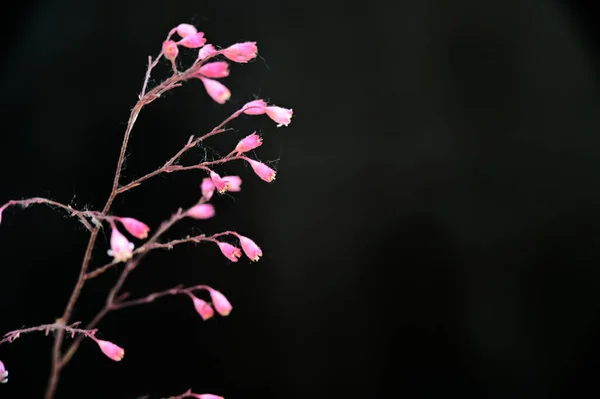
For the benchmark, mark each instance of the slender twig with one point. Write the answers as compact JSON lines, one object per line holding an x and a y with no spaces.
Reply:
{"x":82,"y":215}
{"x":13,"y":335}
{"x":177,"y":290}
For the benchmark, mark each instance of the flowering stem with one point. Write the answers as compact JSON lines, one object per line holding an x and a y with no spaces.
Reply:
{"x":130,"y":266}
{"x":169,"y":166}
{"x":158,"y":245}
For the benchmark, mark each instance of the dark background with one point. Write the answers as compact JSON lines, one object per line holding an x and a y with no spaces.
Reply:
{"x":434,"y":228}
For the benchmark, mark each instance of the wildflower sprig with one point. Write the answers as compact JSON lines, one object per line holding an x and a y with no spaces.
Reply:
{"x":130,"y":238}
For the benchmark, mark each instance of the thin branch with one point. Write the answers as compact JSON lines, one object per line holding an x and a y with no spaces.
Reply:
{"x":177,"y":290}
{"x":82,"y":215}
{"x":72,"y":329}
{"x":157,"y":245}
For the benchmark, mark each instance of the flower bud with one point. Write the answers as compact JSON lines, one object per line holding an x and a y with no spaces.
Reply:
{"x":111,"y":350}
{"x":219,"y":69}
{"x":216,"y":90}
{"x":206,"y":51}
{"x":206,"y":396}
{"x":196,"y":40}
{"x":204,"y":309}
{"x":220,"y":302}
{"x":262,"y":170}
{"x":170,"y":50}
{"x":201,"y":211}
{"x":234,"y":183}
{"x":232,"y":253}
{"x":256,"y":107}
{"x":282,"y":116}
{"x":241,"y":52}
{"x":249,"y":143}
{"x":221,"y":184}
{"x":208,"y":188}
{"x":120,"y":248}
{"x":185,"y":30}
{"x":252,"y":251}
{"x":135,"y":227}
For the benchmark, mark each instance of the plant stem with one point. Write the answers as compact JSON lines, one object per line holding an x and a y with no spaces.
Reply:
{"x":57,"y":363}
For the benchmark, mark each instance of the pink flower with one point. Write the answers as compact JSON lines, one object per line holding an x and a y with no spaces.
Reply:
{"x":206,"y":51}
{"x":262,"y":170}
{"x":3,"y":374}
{"x":185,"y":30}
{"x":111,"y":350}
{"x":206,"y":396}
{"x":120,"y":248}
{"x":234,"y":183}
{"x":256,"y":107}
{"x":195,"y":40}
{"x":216,"y":90}
{"x":220,"y":303}
{"x":252,"y":251}
{"x":249,"y":143}
{"x":204,"y":309}
{"x":219,"y":69}
{"x":282,"y":116}
{"x":241,"y":52}
{"x":201,"y":211}
{"x":135,"y":227}
{"x":208,"y":188}
{"x":232,"y":253}
{"x":221,"y":184}
{"x":170,"y":49}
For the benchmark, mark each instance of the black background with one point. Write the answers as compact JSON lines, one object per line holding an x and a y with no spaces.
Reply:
{"x":433,"y":229}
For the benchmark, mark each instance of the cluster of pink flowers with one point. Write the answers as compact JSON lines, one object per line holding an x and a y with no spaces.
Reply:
{"x":121,"y":248}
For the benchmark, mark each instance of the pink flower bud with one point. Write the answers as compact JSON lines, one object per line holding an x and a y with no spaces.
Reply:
{"x":252,"y":251}
{"x":220,"y":303}
{"x":185,"y":30}
{"x":206,"y":396}
{"x":216,"y":90}
{"x":262,"y":170}
{"x":241,"y":52}
{"x":196,"y":40}
{"x":232,"y":253}
{"x":120,"y":248}
{"x":249,"y":143}
{"x":135,"y":227}
{"x":234,"y":183}
{"x":170,"y":49}
{"x":256,"y":107}
{"x":3,"y":374}
{"x":201,"y":211}
{"x":282,"y":116}
{"x":208,"y":188}
{"x":206,"y":51}
{"x":204,"y":309}
{"x":221,"y":184}
{"x":219,"y":69}
{"x":111,"y":350}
